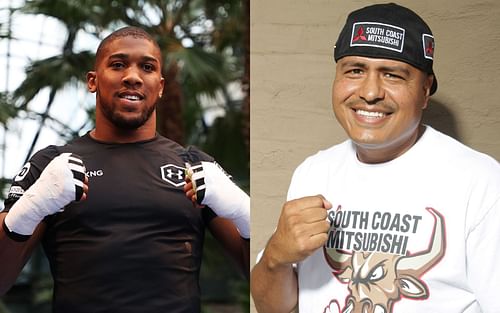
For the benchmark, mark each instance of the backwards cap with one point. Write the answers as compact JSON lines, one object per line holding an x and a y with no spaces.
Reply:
{"x":388,"y":31}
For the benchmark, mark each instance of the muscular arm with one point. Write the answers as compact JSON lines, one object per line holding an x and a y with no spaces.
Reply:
{"x":14,"y":255}
{"x":57,"y":186}
{"x":238,"y":248}
{"x":215,"y":189}
{"x":302,"y":229}
{"x":273,"y":286}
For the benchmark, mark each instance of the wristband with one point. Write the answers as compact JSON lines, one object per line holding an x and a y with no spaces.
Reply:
{"x":60,"y":183}
{"x":214,"y":188}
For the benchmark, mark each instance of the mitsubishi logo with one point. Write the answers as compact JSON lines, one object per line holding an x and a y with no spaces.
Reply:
{"x":173,"y":174}
{"x":360,"y":35}
{"x":428,"y":45}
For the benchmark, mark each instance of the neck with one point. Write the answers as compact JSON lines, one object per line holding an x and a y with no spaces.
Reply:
{"x":375,"y":155}
{"x":121,"y":136}
{"x":106,"y":131}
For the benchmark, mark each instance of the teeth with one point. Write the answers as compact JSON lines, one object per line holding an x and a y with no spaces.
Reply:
{"x":131,"y":97}
{"x":370,"y":114}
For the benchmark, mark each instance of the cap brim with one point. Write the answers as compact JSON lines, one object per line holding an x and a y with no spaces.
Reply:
{"x":434,"y":86}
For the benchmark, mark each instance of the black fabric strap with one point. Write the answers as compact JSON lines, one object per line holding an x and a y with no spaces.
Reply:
{"x":207,"y":214}
{"x":13,"y":235}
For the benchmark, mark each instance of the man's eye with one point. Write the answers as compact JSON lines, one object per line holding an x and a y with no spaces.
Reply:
{"x":148,"y":67}
{"x":117,"y":65}
{"x":355,"y":71}
{"x":392,"y":76}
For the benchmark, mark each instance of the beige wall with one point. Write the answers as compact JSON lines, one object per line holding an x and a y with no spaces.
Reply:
{"x":292,"y":69}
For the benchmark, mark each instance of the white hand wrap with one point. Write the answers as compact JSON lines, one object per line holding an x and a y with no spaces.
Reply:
{"x":215,"y":189}
{"x":60,"y":183}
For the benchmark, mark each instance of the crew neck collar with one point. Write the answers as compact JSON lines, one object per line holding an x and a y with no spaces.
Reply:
{"x":88,"y":134}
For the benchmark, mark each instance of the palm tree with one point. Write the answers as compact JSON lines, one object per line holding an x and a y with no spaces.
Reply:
{"x":217,"y":52}
{"x":177,"y":22}
{"x":7,"y":111}
{"x":203,"y":49}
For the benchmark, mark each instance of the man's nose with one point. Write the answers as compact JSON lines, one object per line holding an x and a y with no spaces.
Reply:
{"x":371,"y":89}
{"x":132,"y":77}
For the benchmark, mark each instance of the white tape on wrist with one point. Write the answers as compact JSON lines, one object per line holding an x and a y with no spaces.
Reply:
{"x":60,"y":183}
{"x":215,"y":189}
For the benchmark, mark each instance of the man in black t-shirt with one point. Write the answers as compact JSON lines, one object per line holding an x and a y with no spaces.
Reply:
{"x":123,"y":237}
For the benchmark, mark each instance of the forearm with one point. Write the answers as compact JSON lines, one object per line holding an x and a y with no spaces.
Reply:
{"x":245,"y":257}
{"x":207,"y":184}
{"x":274,"y":288}
{"x":240,"y":253}
{"x":302,"y":229}
{"x":237,"y":247}
{"x":13,"y":256}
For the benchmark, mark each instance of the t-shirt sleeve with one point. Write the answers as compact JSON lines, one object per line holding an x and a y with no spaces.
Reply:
{"x":482,"y":237}
{"x":28,"y":175}
{"x":194,"y":155}
{"x":300,"y":183}
{"x":483,"y":253}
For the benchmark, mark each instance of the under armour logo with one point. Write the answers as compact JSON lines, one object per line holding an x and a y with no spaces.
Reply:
{"x":178,"y":173}
{"x":173,"y":174}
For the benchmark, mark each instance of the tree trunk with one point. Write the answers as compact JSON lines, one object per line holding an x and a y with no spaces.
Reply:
{"x":169,"y":108}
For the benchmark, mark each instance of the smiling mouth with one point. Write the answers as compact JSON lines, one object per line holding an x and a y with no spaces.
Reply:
{"x":370,"y":114}
{"x":131,"y":97}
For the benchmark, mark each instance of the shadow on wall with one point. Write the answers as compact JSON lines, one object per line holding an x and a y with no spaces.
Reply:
{"x":441,"y":118}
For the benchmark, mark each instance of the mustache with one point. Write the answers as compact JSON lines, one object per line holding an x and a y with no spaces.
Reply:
{"x":384,"y":105}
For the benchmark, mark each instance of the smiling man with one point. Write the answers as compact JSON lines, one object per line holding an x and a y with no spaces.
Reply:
{"x":124,"y":237}
{"x":400,"y":217}
{"x":119,"y":100}
{"x":379,"y":103}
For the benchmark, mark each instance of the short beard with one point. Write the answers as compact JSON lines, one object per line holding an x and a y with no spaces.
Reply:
{"x":128,"y":124}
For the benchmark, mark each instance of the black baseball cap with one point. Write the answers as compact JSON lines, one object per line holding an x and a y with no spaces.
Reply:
{"x":388,"y":31}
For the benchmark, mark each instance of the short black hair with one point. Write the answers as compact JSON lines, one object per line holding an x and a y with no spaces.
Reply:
{"x":127,"y":31}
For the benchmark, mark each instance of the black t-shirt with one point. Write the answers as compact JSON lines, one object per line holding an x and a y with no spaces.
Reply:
{"x":135,"y":244}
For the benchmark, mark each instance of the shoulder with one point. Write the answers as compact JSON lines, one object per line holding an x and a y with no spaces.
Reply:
{"x":175,"y":153}
{"x":191,"y":154}
{"x":309,"y":177}
{"x":333,"y":156}
{"x":455,"y":155}
{"x":469,"y":173}
{"x":194,"y":154}
{"x":78,"y":145}
{"x":42,"y":157}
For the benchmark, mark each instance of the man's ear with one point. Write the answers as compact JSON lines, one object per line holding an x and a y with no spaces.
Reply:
{"x":427,"y":89}
{"x":162,"y":83}
{"x":92,"y":81}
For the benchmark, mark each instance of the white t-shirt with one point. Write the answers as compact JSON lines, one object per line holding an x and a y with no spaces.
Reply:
{"x":420,"y":233}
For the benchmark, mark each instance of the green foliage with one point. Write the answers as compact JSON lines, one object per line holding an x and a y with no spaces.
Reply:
{"x":213,"y":56}
{"x":70,"y":68}
{"x":207,"y":71}
{"x":7,"y":108}
{"x":94,"y":15}
{"x":225,"y":143}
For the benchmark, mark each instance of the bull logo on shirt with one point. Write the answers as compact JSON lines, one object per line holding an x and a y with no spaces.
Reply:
{"x":377,"y":280}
